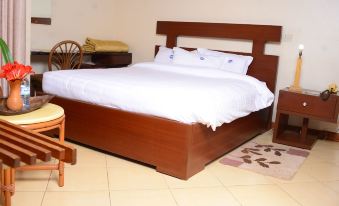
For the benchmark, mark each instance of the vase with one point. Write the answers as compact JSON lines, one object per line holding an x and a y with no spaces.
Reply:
{"x":14,"y":100}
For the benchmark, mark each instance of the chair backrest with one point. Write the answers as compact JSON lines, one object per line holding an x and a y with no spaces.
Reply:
{"x":65,"y":55}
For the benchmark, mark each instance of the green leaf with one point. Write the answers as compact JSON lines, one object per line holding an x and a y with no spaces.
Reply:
{"x":6,"y":54}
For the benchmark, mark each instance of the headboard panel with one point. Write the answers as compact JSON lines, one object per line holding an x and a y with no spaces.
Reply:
{"x":264,"y":67}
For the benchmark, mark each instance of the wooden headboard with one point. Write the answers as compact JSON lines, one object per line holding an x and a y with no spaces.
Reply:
{"x":264,"y":67}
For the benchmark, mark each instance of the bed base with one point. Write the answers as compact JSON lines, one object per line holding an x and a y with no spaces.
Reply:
{"x":174,"y":148}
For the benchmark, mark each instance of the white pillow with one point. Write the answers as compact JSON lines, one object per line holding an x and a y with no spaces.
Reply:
{"x":164,"y":55}
{"x":184,"y":57}
{"x":231,"y":62}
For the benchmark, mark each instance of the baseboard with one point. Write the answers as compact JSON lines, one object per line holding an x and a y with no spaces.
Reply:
{"x":321,"y":134}
{"x":333,"y":136}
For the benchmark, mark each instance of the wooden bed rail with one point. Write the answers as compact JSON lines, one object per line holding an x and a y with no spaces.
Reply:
{"x":20,"y":148}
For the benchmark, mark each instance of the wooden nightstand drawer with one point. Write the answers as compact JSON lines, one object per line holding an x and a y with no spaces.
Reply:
{"x":308,"y":105}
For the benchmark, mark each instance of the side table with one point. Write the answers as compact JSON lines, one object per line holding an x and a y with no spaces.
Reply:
{"x":306,"y":104}
{"x":48,"y":117}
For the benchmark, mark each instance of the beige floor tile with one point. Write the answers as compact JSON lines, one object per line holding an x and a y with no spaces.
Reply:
{"x":312,"y":159}
{"x":334,"y":185}
{"x":324,"y":144}
{"x":312,"y":194}
{"x":322,"y":171}
{"x":230,"y":176}
{"x":88,"y":198}
{"x":259,"y":195}
{"x":142,"y":198}
{"x":31,"y":180}
{"x":301,"y":176}
{"x":135,"y":178}
{"x":202,"y":179}
{"x":325,"y":155}
{"x":216,"y":196}
{"x":80,"y":179}
{"x":27,"y":198}
{"x":89,"y":158}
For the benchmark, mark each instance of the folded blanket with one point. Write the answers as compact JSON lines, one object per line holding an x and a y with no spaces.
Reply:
{"x":105,"y":45}
{"x":88,"y":48}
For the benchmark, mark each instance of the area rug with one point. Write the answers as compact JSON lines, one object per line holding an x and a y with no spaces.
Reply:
{"x":274,"y":160}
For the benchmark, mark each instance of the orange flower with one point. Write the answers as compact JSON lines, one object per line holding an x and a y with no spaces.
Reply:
{"x":13,"y":71}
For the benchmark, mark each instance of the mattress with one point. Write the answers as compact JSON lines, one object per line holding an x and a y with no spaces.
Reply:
{"x":182,"y":93}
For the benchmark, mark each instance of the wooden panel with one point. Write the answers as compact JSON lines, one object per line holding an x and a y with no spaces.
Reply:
{"x":41,"y":20}
{"x":220,"y":30}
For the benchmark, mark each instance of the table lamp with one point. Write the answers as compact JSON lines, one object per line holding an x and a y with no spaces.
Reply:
{"x":296,"y":84}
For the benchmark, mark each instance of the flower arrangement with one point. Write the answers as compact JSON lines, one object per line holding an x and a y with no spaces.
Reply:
{"x":14,"y":73}
{"x":12,"y":70}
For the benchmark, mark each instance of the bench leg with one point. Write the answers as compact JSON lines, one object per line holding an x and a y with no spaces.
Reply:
{"x":61,"y":166}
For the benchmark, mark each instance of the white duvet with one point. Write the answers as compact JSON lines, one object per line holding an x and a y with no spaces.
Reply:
{"x":186,"y":94}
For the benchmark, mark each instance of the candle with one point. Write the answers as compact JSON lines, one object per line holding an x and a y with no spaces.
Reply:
{"x":296,"y":84}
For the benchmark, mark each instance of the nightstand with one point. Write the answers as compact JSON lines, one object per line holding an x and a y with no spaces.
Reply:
{"x":306,"y":104}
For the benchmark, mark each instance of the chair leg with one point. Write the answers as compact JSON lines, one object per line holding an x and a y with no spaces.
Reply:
{"x":2,"y":182}
{"x":12,"y":180}
{"x":7,"y":186}
{"x":61,"y":166}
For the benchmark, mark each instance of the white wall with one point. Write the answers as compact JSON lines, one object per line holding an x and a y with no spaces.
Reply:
{"x":74,"y":20}
{"x":311,"y":22}
{"x":41,"y":8}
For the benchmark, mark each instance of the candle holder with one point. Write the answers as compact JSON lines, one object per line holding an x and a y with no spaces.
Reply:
{"x":296,"y":84}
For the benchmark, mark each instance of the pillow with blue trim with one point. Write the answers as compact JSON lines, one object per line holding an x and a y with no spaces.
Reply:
{"x":231,"y":62}
{"x":164,"y":55}
{"x":184,"y":57}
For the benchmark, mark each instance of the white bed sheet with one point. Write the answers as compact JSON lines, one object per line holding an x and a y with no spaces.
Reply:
{"x":186,"y":94}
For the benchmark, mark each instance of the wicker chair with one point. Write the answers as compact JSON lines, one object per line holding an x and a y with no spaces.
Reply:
{"x":65,"y":55}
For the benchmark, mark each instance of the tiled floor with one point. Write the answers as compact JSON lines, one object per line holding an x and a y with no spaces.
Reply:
{"x":100,"y":179}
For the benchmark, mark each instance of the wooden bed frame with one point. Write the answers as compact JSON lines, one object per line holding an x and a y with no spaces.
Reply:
{"x":175,"y":148}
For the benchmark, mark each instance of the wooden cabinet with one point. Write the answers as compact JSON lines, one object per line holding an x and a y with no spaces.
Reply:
{"x":306,"y":104}
{"x":111,"y":60}
{"x":99,"y":59}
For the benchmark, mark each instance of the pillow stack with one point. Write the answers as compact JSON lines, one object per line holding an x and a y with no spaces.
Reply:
{"x":204,"y":58}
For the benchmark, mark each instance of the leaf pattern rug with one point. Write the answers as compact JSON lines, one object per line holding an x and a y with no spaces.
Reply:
{"x":274,"y":160}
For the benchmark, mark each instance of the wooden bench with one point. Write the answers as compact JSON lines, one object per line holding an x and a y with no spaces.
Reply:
{"x":20,"y":147}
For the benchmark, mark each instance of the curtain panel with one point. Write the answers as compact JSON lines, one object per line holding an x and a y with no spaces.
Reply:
{"x":13,"y":30}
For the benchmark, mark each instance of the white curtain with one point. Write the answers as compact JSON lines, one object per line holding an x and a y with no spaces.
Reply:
{"x":13,"y":29}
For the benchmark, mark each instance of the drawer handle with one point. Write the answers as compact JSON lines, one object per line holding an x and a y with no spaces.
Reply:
{"x":305,"y":104}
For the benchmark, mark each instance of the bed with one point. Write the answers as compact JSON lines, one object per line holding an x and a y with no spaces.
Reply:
{"x":172,"y":147}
